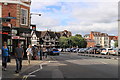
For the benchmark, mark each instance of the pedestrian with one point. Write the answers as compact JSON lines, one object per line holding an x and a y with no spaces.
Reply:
{"x":19,"y":53}
{"x":44,"y":52}
{"x":35,"y":51}
{"x":5,"y":54}
{"x":29,"y":53}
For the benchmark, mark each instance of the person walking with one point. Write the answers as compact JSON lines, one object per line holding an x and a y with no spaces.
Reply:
{"x":19,"y":53}
{"x":5,"y":54}
{"x":29,"y":53}
{"x":44,"y":52}
{"x":35,"y":51}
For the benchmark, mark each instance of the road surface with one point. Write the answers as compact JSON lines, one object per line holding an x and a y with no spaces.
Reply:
{"x":73,"y":66}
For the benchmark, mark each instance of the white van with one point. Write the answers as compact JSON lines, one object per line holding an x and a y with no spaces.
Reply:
{"x":106,"y":51}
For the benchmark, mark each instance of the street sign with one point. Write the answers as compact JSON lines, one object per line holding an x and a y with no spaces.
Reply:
{"x":10,"y":17}
{"x":16,"y":37}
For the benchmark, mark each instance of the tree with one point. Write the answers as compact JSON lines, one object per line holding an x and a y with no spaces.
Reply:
{"x":73,"y":41}
{"x":116,"y":44}
{"x":63,"y":42}
{"x":78,"y":35}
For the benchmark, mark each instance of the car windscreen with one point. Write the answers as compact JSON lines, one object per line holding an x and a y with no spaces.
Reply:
{"x":110,"y":49}
{"x":103,"y":49}
{"x":55,"y":49}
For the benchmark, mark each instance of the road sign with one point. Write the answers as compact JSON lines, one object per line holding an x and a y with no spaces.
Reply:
{"x":10,"y":17}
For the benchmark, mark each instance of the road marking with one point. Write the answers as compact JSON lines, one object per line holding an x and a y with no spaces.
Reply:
{"x":41,"y":67}
{"x":30,"y":74}
{"x":103,"y":62}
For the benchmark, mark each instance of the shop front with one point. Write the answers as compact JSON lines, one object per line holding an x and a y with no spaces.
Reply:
{"x":22,"y":35}
{"x":6,"y":36}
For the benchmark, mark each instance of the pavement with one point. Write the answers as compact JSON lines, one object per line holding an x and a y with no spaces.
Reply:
{"x":10,"y":73}
{"x":95,"y":55}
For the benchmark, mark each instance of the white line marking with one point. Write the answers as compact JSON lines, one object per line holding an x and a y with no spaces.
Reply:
{"x":30,"y":74}
{"x":41,"y":67}
{"x":34,"y":71}
{"x":103,"y":62}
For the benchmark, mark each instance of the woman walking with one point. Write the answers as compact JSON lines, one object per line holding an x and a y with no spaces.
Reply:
{"x":5,"y":54}
{"x":29,"y":53}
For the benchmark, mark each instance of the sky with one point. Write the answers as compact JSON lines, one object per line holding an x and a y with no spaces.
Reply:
{"x":77,"y":16}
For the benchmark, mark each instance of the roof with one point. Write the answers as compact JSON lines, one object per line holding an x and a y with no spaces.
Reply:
{"x":87,"y":35}
{"x":38,"y":33}
{"x":113,"y":37}
{"x":90,"y":40}
{"x":99,"y":34}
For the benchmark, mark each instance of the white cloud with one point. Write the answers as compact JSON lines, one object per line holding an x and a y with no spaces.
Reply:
{"x":99,"y":16}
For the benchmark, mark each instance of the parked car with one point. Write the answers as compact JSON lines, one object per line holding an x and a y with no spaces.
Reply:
{"x":80,"y":50}
{"x":106,"y":51}
{"x":118,"y":52}
{"x":54,"y":52}
{"x":68,"y":50}
{"x":98,"y":51}
{"x":60,"y":49}
{"x":86,"y":50}
{"x":90,"y":51}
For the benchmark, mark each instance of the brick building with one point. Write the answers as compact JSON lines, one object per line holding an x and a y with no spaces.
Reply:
{"x":15,"y":19}
{"x":90,"y":42}
{"x":101,"y":39}
{"x":97,"y":39}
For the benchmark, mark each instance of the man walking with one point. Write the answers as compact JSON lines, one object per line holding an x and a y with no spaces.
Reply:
{"x":19,"y":53}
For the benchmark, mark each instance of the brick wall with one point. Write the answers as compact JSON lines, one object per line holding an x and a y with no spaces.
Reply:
{"x":10,"y":8}
{"x":14,"y":10}
{"x":91,"y":35}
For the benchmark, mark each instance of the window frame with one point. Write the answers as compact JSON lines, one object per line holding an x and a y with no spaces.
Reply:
{"x":26,"y":16}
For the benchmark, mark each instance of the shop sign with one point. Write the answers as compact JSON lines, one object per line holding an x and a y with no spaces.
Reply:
{"x":25,"y":35}
{"x":33,"y":27}
{"x":14,"y":32}
{"x":16,"y":37}
{"x":4,"y":33}
{"x":22,"y":38}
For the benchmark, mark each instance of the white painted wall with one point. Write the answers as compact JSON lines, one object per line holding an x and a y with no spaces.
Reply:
{"x":33,"y":40}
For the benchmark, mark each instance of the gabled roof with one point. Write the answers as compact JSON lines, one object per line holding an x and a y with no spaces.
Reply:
{"x":113,"y":37}
{"x":99,"y":34}
{"x":38,"y":33}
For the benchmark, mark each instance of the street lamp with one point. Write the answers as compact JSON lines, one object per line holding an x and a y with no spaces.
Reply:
{"x":33,"y":14}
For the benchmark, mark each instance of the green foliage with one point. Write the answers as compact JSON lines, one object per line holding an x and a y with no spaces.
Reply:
{"x":116,"y":44}
{"x":73,"y":41}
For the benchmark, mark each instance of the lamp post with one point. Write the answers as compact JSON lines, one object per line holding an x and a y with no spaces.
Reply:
{"x":33,"y":14}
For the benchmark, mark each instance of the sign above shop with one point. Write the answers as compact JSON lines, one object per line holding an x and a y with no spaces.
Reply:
{"x":4,"y":32}
{"x":25,"y":34}
{"x":15,"y":37}
{"x":14,"y":31}
{"x":33,"y":27}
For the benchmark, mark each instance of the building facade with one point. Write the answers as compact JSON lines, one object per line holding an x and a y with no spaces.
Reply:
{"x":112,"y":41}
{"x":15,"y":15}
{"x":101,"y":39}
{"x":49,"y":38}
{"x":90,"y":42}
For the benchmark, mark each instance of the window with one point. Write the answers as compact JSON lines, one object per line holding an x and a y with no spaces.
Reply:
{"x":24,"y":16}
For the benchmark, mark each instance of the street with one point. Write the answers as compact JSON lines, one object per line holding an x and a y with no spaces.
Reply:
{"x":71,"y":65}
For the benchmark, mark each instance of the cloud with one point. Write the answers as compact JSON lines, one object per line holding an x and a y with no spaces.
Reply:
{"x":77,"y":17}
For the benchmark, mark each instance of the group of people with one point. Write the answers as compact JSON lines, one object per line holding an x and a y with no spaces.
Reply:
{"x":32,"y":52}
